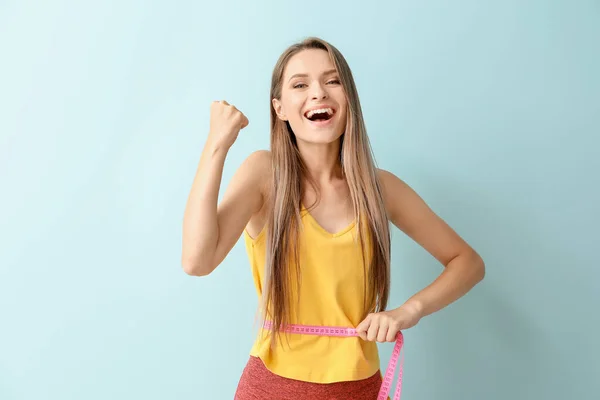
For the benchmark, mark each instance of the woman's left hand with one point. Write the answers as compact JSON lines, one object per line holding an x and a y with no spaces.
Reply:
{"x":384,"y":326}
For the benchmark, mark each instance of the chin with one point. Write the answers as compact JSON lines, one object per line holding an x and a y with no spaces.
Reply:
{"x":319,"y":137}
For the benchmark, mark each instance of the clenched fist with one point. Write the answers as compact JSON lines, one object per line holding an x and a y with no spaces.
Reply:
{"x":384,"y":326}
{"x":226,"y":121}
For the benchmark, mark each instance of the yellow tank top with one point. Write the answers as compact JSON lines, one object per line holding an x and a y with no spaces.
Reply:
{"x":330,"y":295}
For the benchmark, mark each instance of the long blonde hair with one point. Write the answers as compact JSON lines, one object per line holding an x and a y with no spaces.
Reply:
{"x":285,"y":198}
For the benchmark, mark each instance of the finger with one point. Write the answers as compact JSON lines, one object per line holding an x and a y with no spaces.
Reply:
{"x":362,"y":328}
{"x":363,"y":335}
{"x":245,"y":122}
{"x":224,"y":102}
{"x":363,"y":324}
{"x":391,"y":335}
{"x":382,"y":334}
{"x":373,"y":330}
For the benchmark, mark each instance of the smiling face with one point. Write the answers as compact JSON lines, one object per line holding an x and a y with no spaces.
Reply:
{"x":312,"y":100}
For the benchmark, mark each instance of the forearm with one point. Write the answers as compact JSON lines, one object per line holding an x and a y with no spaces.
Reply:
{"x":459,"y":276}
{"x":200,"y":223}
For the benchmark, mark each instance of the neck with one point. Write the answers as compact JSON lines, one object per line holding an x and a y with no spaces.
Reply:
{"x":322,"y":161}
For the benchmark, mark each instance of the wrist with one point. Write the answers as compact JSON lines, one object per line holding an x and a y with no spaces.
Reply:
{"x":214,"y":147}
{"x":414,"y":306}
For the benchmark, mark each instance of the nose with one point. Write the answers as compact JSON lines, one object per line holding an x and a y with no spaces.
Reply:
{"x":319,"y":92}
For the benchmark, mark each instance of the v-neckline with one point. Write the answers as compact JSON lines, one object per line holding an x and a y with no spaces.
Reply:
{"x":323,"y":230}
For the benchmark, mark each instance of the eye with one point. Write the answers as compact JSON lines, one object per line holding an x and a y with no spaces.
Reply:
{"x":336,"y":81}
{"x":297,"y":86}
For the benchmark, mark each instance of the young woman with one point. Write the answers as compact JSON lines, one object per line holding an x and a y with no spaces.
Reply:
{"x":315,"y":213}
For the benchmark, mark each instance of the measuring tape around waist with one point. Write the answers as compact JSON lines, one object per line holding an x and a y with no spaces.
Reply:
{"x":388,"y":378}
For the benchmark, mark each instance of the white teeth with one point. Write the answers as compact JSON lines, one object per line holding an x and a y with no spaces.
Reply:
{"x":329,"y":111}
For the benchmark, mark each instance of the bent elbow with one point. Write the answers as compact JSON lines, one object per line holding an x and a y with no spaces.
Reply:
{"x":480,"y":268}
{"x":193,"y":269}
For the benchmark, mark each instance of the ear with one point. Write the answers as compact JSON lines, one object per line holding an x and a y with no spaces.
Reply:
{"x":279,"y":109}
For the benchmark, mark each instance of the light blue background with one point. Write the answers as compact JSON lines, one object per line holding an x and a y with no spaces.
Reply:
{"x":490,"y":110}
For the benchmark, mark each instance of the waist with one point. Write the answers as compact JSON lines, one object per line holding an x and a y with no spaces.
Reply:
{"x":349,"y":332}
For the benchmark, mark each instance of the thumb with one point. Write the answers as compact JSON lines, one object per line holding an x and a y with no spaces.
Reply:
{"x":363,"y":327}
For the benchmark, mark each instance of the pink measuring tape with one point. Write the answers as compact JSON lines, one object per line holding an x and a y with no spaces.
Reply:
{"x":388,"y":378}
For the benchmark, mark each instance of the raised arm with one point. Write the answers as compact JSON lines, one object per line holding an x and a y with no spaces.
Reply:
{"x":211,"y":230}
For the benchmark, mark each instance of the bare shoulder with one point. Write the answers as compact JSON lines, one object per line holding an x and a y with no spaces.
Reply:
{"x":261,"y":156}
{"x":393,"y":188}
{"x":399,"y":198}
{"x":250,"y":181}
{"x":412,"y":215}
{"x":260,"y":164}
{"x":259,"y":159}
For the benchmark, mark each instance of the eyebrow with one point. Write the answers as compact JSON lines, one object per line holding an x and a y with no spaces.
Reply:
{"x":331,"y":71}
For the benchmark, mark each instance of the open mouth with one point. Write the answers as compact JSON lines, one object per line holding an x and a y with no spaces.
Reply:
{"x":320,"y":115}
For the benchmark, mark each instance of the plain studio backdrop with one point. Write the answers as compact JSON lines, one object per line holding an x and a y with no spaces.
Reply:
{"x":489,"y":110}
